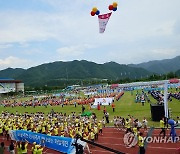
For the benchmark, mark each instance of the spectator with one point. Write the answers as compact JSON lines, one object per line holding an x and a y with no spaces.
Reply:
{"x":74,"y":104}
{"x":11,"y":148}
{"x":113,"y":107}
{"x":162,"y":126}
{"x":145,"y":124}
{"x":107,"y":117}
{"x":141,"y":144}
{"x":99,"y":106}
{"x":2,"y":148}
{"x":83,"y":108}
{"x":104,"y":110}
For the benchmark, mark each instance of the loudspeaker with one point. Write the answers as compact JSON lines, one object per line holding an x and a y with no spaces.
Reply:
{"x":157,"y":112}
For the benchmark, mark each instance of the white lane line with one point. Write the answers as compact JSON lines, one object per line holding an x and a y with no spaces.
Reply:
{"x":101,"y":151}
{"x":162,"y":148}
{"x":112,"y":138}
{"x":110,"y":143}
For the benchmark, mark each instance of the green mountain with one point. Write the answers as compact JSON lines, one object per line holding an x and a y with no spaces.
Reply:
{"x":177,"y":72}
{"x":57,"y":73}
{"x":11,"y":72}
{"x":160,"y":66}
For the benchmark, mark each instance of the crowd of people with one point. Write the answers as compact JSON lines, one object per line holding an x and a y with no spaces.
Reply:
{"x":142,"y":98}
{"x":59,"y":124}
{"x":129,"y":123}
{"x":176,"y":95}
{"x":61,"y":100}
{"x":52,"y":124}
{"x":159,"y":96}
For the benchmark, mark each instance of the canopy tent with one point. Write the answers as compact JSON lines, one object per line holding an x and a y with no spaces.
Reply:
{"x":86,"y":114}
{"x":174,"y":80}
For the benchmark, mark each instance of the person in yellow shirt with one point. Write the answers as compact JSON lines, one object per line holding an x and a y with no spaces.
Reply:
{"x":61,"y":127}
{"x":62,"y":133}
{"x":25,"y":127}
{"x":100,"y":127}
{"x":39,"y":150}
{"x":56,"y":131}
{"x":43,"y":130}
{"x":34,"y":148}
{"x":71,"y":133}
{"x":18,"y":147}
{"x":48,"y":127}
{"x":96,"y":132}
{"x":14,"y":127}
{"x":128,"y":126}
{"x":1,"y":131}
{"x":141,"y":143}
{"x":89,"y":125}
{"x":135,"y":130}
{"x":49,"y":133}
{"x":31,"y":126}
{"x":24,"y":148}
{"x":92,"y":135}
{"x":162,"y":126}
{"x":86,"y":136}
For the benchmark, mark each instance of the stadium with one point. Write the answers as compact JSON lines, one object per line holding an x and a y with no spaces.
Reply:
{"x":67,"y":136}
{"x":89,"y":77}
{"x":11,"y":85}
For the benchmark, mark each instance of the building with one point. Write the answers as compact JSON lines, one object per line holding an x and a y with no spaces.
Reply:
{"x":11,"y":85}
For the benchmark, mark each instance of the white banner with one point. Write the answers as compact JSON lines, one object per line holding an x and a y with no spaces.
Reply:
{"x":103,"y":20}
{"x":90,"y":93}
{"x":103,"y":101}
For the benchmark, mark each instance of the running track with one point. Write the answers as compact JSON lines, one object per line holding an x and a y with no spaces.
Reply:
{"x":113,"y":138}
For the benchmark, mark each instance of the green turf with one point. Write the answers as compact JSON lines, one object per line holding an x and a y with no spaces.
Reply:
{"x":126,"y":105}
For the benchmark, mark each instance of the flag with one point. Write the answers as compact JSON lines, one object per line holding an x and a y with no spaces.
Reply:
{"x":103,"y":20}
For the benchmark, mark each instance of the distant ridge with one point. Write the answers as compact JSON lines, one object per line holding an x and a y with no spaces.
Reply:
{"x":160,"y":66}
{"x":60,"y":73}
{"x":57,"y":72}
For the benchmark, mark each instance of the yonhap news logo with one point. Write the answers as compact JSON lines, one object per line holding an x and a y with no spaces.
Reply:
{"x":131,"y":140}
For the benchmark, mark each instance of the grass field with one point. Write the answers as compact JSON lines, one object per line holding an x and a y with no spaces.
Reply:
{"x":124,"y":106}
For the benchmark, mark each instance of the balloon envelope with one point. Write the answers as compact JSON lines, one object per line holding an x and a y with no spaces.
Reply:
{"x":94,"y":9}
{"x":115,"y":4}
{"x":97,"y":12}
{"x":110,"y":7}
{"x":115,"y":9}
{"x":93,"y":13}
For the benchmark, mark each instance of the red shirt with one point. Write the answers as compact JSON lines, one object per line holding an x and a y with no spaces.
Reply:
{"x":113,"y":105}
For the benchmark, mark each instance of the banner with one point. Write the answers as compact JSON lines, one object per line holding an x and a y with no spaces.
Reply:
{"x":103,"y":20}
{"x":90,"y":93}
{"x":103,"y":101}
{"x":61,"y":144}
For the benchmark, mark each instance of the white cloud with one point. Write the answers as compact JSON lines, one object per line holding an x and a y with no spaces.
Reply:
{"x":140,"y":30}
{"x":18,"y":27}
{"x":73,"y":51}
{"x":14,"y":62}
{"x":5,"y":46}
{"x":34,"y":51}
{"x":164,"y":51}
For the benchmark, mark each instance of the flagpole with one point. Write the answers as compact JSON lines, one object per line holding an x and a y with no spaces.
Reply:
{"x":166,"y":115}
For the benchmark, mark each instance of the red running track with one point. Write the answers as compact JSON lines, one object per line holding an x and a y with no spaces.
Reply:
{"x":113,"y":138}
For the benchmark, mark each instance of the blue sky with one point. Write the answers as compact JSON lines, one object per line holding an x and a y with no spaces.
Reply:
{"x":33,"y":32}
